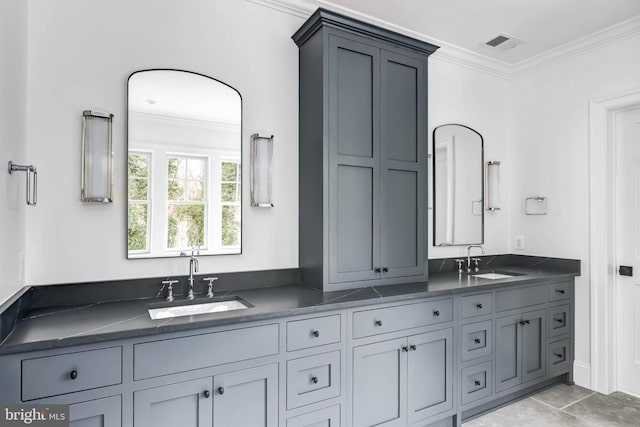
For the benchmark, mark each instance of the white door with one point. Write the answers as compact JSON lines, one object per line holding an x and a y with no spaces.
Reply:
{"x":627,"y":169}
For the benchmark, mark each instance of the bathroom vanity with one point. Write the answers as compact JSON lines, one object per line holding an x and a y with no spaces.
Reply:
{"x":404,"y":355}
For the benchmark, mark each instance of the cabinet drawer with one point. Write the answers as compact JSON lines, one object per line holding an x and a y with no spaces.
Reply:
{"x":559,"y":320}
{"x":477,"y":340}
{"x":476,"y":305}
{"x":66,"y":373}
{"x":170,"y":356}
{"x":559,"y":357}
{"x":477,"y":382}
{"x":312,"y":379}
{"x":382,"y":320}
{"x":327,"y":417}
{"x":521,"y":297}
{"x":313,"y":332}
{"x":560,"y":291}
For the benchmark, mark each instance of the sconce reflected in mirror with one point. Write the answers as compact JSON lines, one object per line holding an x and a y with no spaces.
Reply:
{"x":97,"y":157}
{"x":458,"y":214}
{"x":493,"y":186}
{"x":261,"y":154}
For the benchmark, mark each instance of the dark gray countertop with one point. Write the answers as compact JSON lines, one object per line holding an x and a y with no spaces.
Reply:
{"x":45,"y":328}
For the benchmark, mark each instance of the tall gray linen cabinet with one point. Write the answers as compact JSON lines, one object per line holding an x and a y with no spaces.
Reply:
{"x":363,"y":154}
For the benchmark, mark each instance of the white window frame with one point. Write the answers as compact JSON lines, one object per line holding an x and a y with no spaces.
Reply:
{"x":148,"y":201}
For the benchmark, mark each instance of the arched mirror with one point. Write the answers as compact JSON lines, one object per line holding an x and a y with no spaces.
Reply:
{"x":458,"y":213}
{"x":184,"y":165}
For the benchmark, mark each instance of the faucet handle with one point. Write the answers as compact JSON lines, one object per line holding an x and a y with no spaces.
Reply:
{"x":169,"y":284}
{"x":211,"y":281}
{"x":459,"y":261}
{"x":477,"y":262}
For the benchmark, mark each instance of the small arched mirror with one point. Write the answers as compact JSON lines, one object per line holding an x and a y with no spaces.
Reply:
{"x":458,"y":213}
{"x":184,"y":165}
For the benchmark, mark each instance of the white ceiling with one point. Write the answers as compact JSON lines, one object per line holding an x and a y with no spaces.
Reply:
{"x":183,"y":95}
{"x":543,"y":24}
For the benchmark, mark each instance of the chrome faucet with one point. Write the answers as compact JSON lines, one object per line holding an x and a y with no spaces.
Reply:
{"x":477,"y":260}
{"x":193,"y":268}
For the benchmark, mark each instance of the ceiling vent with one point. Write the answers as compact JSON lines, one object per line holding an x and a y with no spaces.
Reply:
{"x":504,"y":42}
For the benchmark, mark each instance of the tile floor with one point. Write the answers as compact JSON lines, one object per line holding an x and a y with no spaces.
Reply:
{"x":562,"y":405}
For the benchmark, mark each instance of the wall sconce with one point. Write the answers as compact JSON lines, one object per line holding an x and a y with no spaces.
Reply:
{"x":261,"y":153}
{"x":97,"y":157}
{"x":492,"y":186}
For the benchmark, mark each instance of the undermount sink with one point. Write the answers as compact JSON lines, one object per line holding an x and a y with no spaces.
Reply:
{"x":494,"y":276}
{"x":167,"y":312}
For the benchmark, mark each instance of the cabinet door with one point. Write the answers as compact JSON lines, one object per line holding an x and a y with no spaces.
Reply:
{"x":403,"y":164}
{"x":106,"y":412}
{"x":354,"y":161}
{"x":247,"y":398}
{"x":379,"y":384}
{"x":430,"y":371}
{"x":508,"y":344}
{"x":183,"y":404}
{"x":534,"y":341}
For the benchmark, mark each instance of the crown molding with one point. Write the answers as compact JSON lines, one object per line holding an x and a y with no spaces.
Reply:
{"x":300,"y":8}
{"x":465,"y":58}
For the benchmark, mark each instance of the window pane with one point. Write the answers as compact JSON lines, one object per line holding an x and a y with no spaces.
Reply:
{"x":229,"y":193}
{"x":175,"y":190}
{"x":185,"y":226}
{"x":229,"y":171}
{"x":196,"y":191}
{"x":230,"y":225}
{"x":138,"y":165}
{"x":137,"y":227}
{"x":196,"y":169}
{"x":176,"y":168}
{"x":138,"y":188}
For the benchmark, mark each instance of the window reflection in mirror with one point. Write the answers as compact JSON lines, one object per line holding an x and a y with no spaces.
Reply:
{"x":184,"y":165}
{"x":458,"y":212}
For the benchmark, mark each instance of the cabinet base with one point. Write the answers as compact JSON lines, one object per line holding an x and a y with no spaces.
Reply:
{"x":478,"y":411}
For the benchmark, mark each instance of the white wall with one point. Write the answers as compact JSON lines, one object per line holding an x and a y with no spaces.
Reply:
{"x":13,"y":110}
{"x":81,"y":59}
{"x":80,"y":56}
{"x":478,"y":100}
{"x":549,"y":155}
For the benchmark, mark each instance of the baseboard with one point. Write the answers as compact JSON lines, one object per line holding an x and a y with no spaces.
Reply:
{"x":582,"y":374}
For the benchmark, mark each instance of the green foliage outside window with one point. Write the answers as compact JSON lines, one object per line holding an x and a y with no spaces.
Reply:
{"x":138,"y":194}
{"x":230,"y":198}
{"x":186,"y":219}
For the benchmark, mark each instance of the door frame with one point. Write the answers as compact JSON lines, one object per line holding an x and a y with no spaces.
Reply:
{"x":602,"y":276}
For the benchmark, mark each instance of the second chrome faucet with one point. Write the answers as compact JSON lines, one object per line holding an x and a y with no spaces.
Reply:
{"x":469,"y":259}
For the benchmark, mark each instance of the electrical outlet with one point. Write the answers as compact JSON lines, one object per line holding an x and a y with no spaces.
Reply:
{"x":518,"y":242}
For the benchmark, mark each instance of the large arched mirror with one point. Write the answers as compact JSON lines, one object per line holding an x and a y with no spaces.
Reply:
{"x":184,"y":165}
{"x":458,"y":213}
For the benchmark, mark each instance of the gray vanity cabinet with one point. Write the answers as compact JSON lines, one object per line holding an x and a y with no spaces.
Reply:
{"x":363,"y":153}
{"x":246,"y":397}
{"x":105,"y":412}
{"x":520,"y":348}
{"x":402,"y":381}
{"x":185,"y":404}
{"x":379,"y":384}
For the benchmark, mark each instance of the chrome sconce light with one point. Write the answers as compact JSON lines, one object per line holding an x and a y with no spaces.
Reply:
{"x":492,"y":178}
{"x":261,"y":154}
{"x":97,"y":157}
